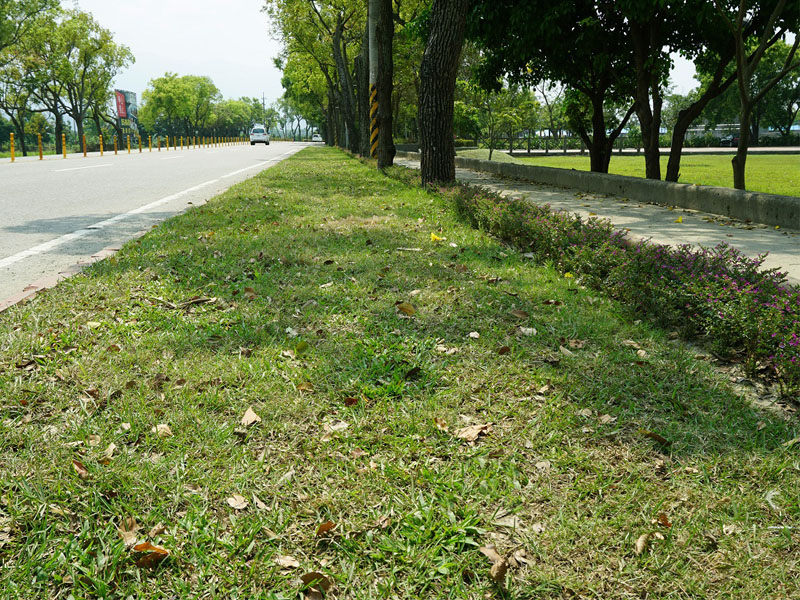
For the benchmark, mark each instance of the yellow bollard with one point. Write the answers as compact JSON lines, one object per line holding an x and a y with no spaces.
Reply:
{"x":39,"y":143}
{"x":138,"y":137}
{"x":12,"y":147}
{"x":129,"y":143}
{"x":181,"y":142}
{"x":64,"y":144}
{"x":101,"y":144}
{"x":149,"y":143}
{"x":167,"y":144}
{"x":83,"y":140}
{"x":115,"y":145}
{"x":159,"y":143}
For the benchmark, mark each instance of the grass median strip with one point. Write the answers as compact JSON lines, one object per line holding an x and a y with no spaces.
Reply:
{"x":323,"y":381}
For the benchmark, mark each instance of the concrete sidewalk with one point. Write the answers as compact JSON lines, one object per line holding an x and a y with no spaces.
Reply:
{"x":653,"y":222}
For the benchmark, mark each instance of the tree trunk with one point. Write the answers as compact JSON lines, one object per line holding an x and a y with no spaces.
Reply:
{"x":647,"y":84}
{"x":361,"y":67}
{"x":346,"y":88}
{"x":384,"y":34}
{"x":437,"y":89}
{"x":740,"y":158}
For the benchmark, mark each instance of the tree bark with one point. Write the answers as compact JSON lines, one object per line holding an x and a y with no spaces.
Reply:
{"x":384,"y":34}
{"x":346,"y":88}
{"x":739,"y":160}
{"x":437,"y":89}
{"x":361,"y":67}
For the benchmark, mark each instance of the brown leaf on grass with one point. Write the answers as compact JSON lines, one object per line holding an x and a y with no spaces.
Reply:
{"x":127,"y":529}
{"x":114,"y":348}
{"x":237,"y":502}
{"x":527,"y":331}
{"x":631,"y":344}
{"x":162,"y":430}
{"x":156,"y":530}
{"x":250,"y":417}
{"x":260,"y":505}
{"x":249,"y":293}
{"x":350,"y":401}
{"x":316,"y":585}
{"x":473,"y":432}
{"x":151,"y":555}
{"x":565,"y":351}
{"x":326,"y":527}
{"x":520,"y":314}
{"x":412,"y":374}
{"x":503,"y":350}
{"x":490,"y":552}
{"x":80,"y":469}
{"x":606,"y":419}
{"x":474,"y":335}
{"x":663,"y":520}
{"x":440,"y":424}
{"x":498,"y":572}
{"x":287,"y":562}
{"x":641,"y":543}
{"x":406,"y":308}
{"x":576,"y":344}
{"x":305,"y":386}
{"x":108,"y":454}
{"x":93,"y":440}
{"x":655,"y":436}
{"x":552,"y":303}
{"x":641,"y":353}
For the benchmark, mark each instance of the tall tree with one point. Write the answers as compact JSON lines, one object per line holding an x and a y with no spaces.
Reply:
{"x":16,"y":16}
{"x":89,"y":64}
{"x":581,"y":43}
{"x":737,"y":19}
{"x":437,"y":89}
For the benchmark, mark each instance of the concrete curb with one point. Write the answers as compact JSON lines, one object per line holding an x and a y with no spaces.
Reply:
{"x":768,"y":209}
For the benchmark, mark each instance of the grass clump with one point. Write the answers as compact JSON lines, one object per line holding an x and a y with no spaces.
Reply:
{"x":423,"y":391}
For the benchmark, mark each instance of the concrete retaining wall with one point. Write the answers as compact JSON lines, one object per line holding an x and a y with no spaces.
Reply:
{"x":769,"y":209}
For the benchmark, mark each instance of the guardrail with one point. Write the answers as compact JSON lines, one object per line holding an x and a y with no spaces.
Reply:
{"x":178,"y":142}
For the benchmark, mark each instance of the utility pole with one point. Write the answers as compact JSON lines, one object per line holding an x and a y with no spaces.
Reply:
{"x":264,"y":109}
{"x":372,"y":23}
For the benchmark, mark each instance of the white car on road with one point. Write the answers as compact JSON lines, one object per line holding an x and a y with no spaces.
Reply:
{"x":316,"y":138}
{"x":259,"y":135}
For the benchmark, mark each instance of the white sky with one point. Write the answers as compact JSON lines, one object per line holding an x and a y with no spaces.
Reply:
{"x":228,"y":40}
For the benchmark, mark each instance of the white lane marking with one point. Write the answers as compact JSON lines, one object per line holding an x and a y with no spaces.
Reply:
{"x":68,"y":237}
{"x":170,"y":157}
{"x":79,"y":168}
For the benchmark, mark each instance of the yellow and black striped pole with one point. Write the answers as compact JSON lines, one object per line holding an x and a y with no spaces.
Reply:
{"x":373,"y":121}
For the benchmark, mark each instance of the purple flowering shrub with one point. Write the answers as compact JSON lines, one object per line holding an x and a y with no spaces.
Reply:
{"x":717,"y":294}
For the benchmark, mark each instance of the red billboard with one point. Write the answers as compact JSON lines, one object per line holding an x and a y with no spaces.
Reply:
{"x":122,"y":111}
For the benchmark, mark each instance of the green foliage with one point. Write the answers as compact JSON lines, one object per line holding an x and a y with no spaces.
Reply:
{"x":184,"y":104}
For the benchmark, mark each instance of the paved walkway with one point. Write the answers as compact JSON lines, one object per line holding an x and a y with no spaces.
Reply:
{"x":653,"y":222}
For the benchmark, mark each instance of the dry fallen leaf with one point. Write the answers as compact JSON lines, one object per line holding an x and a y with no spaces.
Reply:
{"x":250,"y":417}
{"x":641,"y":543}
{"x":80,"y":469}
{"x":249,"y":293}
{"x":152,"y":557}
{"x":565,"y":351}
{"x":585,"y":412}
{"x":631,"y":344}
{"x":259,"y":503}
{"x":237,"y":502}
{"x":162,"y":430}
{"x":606,"y":419}
{"x":315,"y":580}
{"x":306,"y":386}
{"x":108,"y":454}
{"x":663,"y":520}
{"x":326,"y":527}
{"x":498,"y":572}
{"x":730,"y":529}
{"x":576,"y":344}
{"x":641,"y":353}
{"x":473,"y":432}
{"x":520,"y":314}
{"x":655,"y":436}
{"x":490,"y":552}
{"x":287,"y":562}
{"x":156,"y":530}
{"x":503,"y":350}
{"x":406,"y":308}
{"x":440,"y":424}
{"x":527,"y":331}
{"x":543,"y":465}
{"x":93,"y":440}
{"x":474,"y":335}
{"x":127,"y":529}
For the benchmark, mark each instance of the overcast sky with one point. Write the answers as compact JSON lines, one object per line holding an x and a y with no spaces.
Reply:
{"x":228,"y":40}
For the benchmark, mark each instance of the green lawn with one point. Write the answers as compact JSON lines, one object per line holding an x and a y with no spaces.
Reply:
{"x":774,"y":173}
{"x":419,"y":398}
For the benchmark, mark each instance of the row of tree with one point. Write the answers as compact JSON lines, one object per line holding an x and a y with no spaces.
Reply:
{"x":610,"y":57}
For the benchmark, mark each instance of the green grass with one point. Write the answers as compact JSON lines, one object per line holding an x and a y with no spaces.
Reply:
{"x":281,"y":295}
{"x":773,"y":174}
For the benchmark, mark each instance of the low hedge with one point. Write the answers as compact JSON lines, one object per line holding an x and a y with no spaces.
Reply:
{"x":740,"y":310}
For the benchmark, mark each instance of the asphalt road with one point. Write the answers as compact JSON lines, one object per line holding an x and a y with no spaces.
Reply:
{"x":57,"y":212}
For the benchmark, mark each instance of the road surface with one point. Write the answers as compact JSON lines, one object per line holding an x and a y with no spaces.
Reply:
{"x":57,"y":212}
